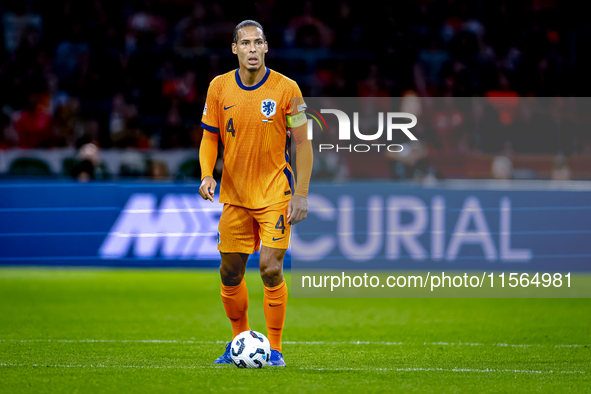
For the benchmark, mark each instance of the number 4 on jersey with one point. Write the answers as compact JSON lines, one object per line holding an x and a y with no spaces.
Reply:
{"x":230,"y":127}
{"x":280,"y":225}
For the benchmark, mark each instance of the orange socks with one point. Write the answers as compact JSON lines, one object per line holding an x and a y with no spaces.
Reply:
{"x":275,"y":303}
{"x":235,"y":299}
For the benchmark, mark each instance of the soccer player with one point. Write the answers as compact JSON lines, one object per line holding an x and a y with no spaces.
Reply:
{"x":255,"y":111}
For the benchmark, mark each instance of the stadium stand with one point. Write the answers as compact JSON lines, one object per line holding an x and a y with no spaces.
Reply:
{"x":132,"y":75}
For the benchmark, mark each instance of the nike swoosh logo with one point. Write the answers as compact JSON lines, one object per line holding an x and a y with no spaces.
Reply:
{"x":277,"y":239}
{"x":225,"y":108}
{"x":271,"y":305}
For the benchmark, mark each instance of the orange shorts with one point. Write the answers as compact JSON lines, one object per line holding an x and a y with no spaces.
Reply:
{"x":241,"y":230}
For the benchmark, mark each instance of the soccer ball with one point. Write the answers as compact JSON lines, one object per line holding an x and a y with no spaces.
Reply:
{"x":250,"y":349}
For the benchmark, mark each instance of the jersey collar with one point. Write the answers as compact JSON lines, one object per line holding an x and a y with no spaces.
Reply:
{"x":258,"y":85}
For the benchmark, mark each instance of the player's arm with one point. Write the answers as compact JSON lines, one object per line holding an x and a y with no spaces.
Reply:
{"x":298,"y":209}
{"x":208,"y":150}
{"x":208,"y":153}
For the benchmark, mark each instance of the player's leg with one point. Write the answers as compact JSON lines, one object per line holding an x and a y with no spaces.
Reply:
{"x":275,"y":299}
{"x":237,"y":239}
{"x":275,"y":234}
{"x":234,"y":292}
{"x":275,"y":289}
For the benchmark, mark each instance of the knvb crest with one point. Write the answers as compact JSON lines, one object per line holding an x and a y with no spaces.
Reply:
{"x":268,"y":107}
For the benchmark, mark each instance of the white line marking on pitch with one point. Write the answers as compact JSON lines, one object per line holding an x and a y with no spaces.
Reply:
{"x":487,"y":370}
{"x":441,"y":369}
{"x":173,"y":341}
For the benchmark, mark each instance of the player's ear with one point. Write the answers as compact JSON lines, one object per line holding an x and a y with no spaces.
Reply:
{"x":234,"y":48}
{"x":266,"y":47}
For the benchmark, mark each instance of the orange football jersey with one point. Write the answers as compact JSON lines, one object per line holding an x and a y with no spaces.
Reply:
{"x":252,"y":123}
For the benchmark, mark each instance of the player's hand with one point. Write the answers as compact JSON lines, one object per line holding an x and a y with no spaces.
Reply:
{"x":297,"y":209}
{"x":207,"y":188}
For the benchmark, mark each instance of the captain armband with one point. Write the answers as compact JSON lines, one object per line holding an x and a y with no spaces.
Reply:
{"x":296,"y":120}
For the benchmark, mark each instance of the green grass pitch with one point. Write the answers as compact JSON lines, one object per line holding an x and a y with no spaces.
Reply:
{"x":92,"y":330}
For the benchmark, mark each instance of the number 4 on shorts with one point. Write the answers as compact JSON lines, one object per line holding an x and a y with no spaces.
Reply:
{"x":280,"y":225}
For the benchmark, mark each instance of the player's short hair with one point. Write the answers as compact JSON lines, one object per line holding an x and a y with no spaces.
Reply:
{"x":247,"y":23}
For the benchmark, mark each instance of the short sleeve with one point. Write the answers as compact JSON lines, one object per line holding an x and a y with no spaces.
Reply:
{"x":296,"y":116}
{"x":209,"y":120}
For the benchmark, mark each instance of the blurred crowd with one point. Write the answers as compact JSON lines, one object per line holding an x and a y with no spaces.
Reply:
{"x":134,"y":73}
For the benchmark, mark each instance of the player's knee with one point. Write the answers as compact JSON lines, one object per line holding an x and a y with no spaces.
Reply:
{"x":231,"y":276}
{"x":271,"y":275}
